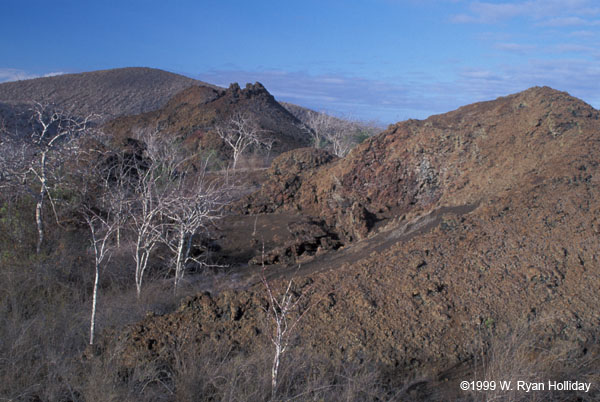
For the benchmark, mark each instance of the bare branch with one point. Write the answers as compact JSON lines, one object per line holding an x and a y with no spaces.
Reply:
{"x":285,"y":311}
{"x":240,"y":132}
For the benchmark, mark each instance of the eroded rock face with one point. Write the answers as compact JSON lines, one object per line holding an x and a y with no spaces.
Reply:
{"x":310,"y":237}
{"x":285,"y":177}
{"x":458,"y":158}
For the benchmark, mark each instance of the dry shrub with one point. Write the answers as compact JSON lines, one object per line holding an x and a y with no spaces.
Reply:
{"x":41,"y":330}
{"x":536,"y":352}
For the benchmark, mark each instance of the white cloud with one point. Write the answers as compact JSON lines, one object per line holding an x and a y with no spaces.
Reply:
{"x":570,"y":48}
{"x":568,"y":22}
{"x":584,"y":34}
{"x":485,"y":75}
{"x":13,"y":74}
{"x":569,"y":12}
{"x":515,"y":47}
{"x":54,"y":74}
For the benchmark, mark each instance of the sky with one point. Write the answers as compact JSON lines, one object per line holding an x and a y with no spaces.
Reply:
{"x":382,"y":60}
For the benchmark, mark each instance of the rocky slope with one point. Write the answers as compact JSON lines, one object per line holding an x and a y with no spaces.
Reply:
{"x":193,"y":114}
{"x":458,"y":230}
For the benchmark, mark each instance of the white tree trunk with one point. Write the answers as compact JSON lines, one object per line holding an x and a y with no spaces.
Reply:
{"x":94,"y":302}
{"x":275,"y":369}
{"x":39,"y":208}
{"x":39,"y":220}
{"x":180,"y":259}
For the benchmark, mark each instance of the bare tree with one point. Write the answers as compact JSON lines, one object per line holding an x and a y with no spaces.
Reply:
{"x":318,"y":124}
{"x":340,"y":135}
{"x":145,"y":212}
{"x":285,"y":310}
{"x":159,"y":202}
{"x":240,"y":132}
{"x":101,"y":230}
{"x":330,"y":131}
{"x":193,"y":207}
{"x":94,"y":176}
{"x":52,"y":132}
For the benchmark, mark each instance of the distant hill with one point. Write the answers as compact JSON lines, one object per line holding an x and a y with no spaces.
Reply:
{"x":193,"y":114}
{"x":111,"y":93}
{"x":301,"y":113}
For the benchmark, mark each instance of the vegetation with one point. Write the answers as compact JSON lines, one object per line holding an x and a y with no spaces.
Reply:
{"x":336,"y":134}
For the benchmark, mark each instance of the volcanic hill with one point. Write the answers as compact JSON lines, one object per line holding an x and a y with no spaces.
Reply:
{"x":193,"y":114}
{"x":110,"y":93}
{"x":446,"y":236}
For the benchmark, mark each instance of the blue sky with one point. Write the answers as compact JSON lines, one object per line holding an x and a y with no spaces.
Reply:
{"x":386,"y":60}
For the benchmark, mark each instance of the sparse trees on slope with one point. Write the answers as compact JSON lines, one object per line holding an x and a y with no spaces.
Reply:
{"x":327,"y":130}
{"x":240,"y":132}
{"x":337,"y":134}
{"x":51,"y":140}
{"x":193,"y":206}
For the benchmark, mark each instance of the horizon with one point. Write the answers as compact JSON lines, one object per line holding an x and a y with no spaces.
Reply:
{"x":383,"y":60}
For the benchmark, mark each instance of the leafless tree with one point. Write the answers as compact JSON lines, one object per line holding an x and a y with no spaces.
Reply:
{"x":285,"y":311}
{"x":193,"y":206}
{"x":53,"y":134}
{"x":170,"y":202}
{"x":240,"y":132}
{"x":317,"y":125}
{"x":145,"y":213}
{"x":330,"y":131}
{"x":102,"y":229}
{"x":340,"y":135}
{"x":94,"y":186}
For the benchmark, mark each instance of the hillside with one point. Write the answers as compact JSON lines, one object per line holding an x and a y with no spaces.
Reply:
{"x":470,"y":233}
{"x":111,"y":93}
{"x":193,"y":114}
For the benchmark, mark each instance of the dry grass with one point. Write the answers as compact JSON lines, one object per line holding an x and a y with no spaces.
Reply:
{"x":523,"y":354}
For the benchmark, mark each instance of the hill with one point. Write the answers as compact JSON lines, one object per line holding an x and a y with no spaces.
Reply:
{"x":111,"y":93}
{"x":193,"y":114}
{"x":472,"y":233}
